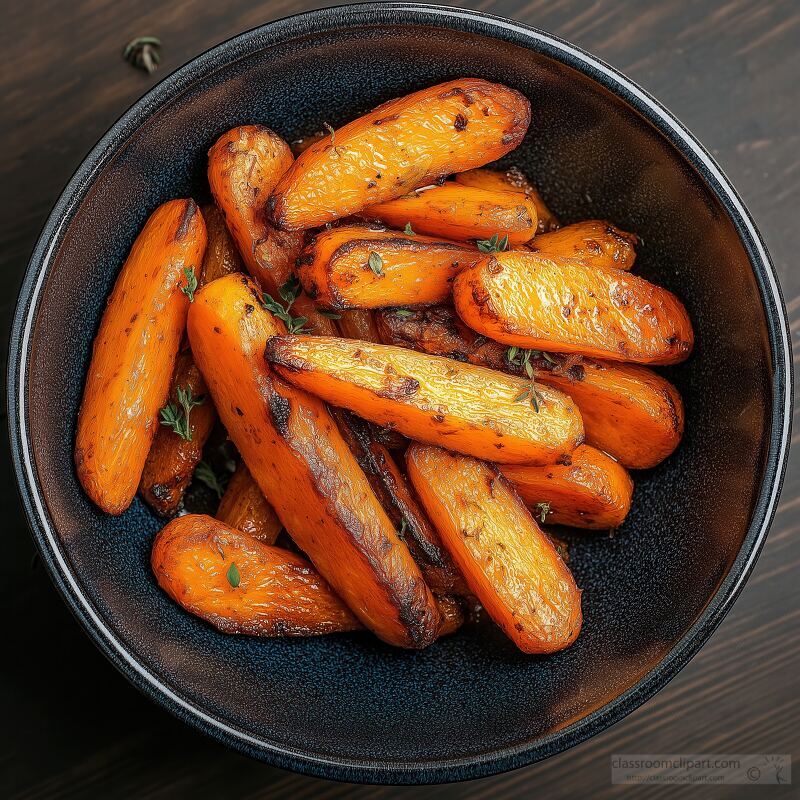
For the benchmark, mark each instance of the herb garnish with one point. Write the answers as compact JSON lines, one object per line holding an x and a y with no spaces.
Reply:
{"x":143,"y":53}
{"x":375,"y":263}
{"x":289,"y":292}
{"x":493,"y":245}
{"x":337,"y":150}
{"x":542,"y":510}
{"x":408,"y":230}
{"x":233,"y":575}
{"x":329,"y":314}
{"x":404,"y":312}
{"x":205,"y":474}
{"x":177,"y":416}
{"x":522,"y":358}
{"x":191,"y":283}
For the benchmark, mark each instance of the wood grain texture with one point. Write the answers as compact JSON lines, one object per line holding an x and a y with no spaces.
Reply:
{"x":73,"y":727}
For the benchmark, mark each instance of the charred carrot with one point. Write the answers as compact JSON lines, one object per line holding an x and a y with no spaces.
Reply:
{"x":595,"y":242}
{"x":297,"y":456}
{"x":244,"y":507}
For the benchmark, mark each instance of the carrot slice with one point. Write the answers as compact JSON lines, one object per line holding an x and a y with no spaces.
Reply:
{"x":134,"y":354}
{"x":628,"y":411}
{"x":401,"y":145}
{"x":297,"y":456}
{"x":359,"y":267}
{"x":509,"y":564}
{"x":358,"y":324}
{"x":461,"y":213}
{"x":469,"y":409}
{"x":172,"y":458}
{"x":244,"y":507}
{"x":557,"y":304}
{"x":594,"y":242}
{"x":241,"y":585}
{"x":588,"y":490}
{"x":511,"y":180}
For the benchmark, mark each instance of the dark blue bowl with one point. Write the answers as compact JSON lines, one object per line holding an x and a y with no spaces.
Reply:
{"x":348,"y":707}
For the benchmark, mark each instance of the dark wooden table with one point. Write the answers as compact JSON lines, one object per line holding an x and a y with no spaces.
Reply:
{"x":72,"y":726}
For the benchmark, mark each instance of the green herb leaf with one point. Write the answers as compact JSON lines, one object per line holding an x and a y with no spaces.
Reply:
{"x":403,"y":528}
{"x":329,"y":314}
{"x":289,"y":292}
{"x":205,"y":474}
{"x":177,"y":416}
{"x":523,"y":395}
{"x":331,"y":131}
{"x":234,"y":576}
{"x":408,"y":230}
{"x":493,"y":245}
{"x":375,"y":263}
{"x":403,"y":312}
{"x":542,"y":510}
{"x":191,"y":283}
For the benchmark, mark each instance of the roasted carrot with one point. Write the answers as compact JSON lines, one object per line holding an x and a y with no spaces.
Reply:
{"x":221,"y":257}
{"x":177,"y":449}
{"x":511,"y":180}
{"x":244,"y":507}
{"x":509,"y":564}
{"x":172,"y":457}
{"x":359,"y":267}
{"x":401,"y":145}
{"x":134,"y":354}
{"x":358,"y":324}
{"x":243,"y":167}
{"x":596,"y":243}
{"x":559,"y":305}
{"x":301,"y":145}
{"x":466,"y":408}
{"x":588,"y":490}
{"x":241,"y":585}
{"x":628,"y":411}
{"x":297,"y":456}
{"x":460,"y":212}
{"x":398,"y":500}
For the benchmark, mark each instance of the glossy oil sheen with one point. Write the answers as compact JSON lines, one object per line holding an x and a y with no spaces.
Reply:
{"x":347,"y":706}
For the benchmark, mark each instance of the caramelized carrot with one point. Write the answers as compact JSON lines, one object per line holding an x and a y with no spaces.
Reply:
{"x":173,"y":457}
{"x":244,"y":507}
{"x":243,"y":167}
{"x":398,"y":500}
{"x":359,"y":267}
{"x":461,"y":213}
{"x":559,"y":305}
{"x":509,"y":564}
{"x":511,"y":180}
{"x":221,"y":257}
{"x":628,"y":411}
{"x":595,"y":243}
{"x":469,"y":409}
{"x":241,"y":585}
{"x":588,"y":490}
{"x":134,"y":355}
{"x":401,"y":145}
{"x":297,"y":456}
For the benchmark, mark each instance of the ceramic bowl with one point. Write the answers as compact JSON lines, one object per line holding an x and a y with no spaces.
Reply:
{"x":347,"y":706}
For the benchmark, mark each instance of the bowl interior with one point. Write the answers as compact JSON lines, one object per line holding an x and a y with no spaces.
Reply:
{"x":349,"y":699}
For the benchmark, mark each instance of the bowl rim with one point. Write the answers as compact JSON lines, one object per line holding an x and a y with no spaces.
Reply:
{"x":333,"y":19}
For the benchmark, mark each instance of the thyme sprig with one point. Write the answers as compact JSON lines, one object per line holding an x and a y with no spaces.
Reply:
{"x":289,"y":292}
{"x":204,"y":472}
{"x":493,"y":245}
{"x":518,"y":357}
{"x":176,"y":415}
{"x":375,"y":263}
{"x":191,"y":283}
{"x":542,"y":510}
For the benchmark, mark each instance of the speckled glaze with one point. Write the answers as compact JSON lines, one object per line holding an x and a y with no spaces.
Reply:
{"x":346,"y":706}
